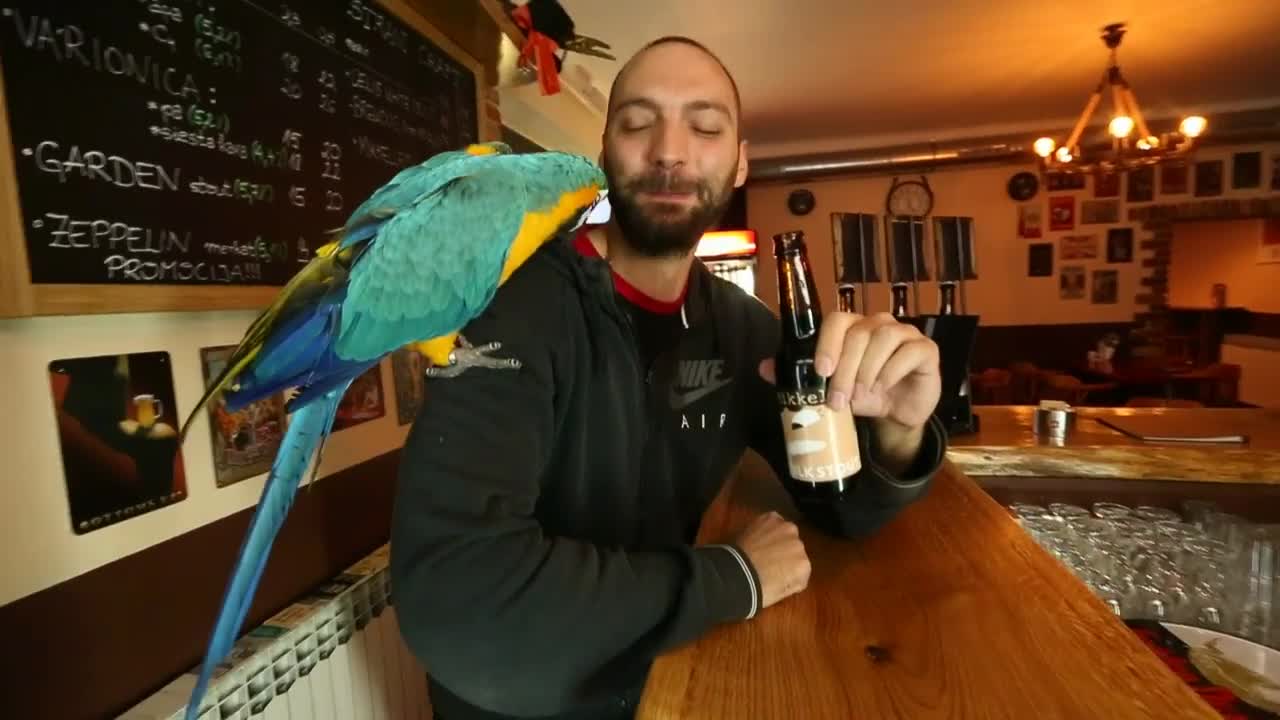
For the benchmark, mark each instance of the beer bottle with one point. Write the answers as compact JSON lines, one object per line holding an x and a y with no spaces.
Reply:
{"x":899,"y":291}
{"x":822,"y":443}
{"x":845,"y":292}
{"x":947,"y":300}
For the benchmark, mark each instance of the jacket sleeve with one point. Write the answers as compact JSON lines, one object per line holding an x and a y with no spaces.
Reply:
{"x":878,"y":494}
{"x":506,"y":616}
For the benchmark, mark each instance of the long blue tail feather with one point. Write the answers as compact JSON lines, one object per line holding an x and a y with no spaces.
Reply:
{"x":308,"y":429}
{"x":298,"y":353}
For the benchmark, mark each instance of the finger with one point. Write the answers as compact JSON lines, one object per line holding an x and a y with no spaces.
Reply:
{"x":831,"y":341}
{"x":840,"y":386}
{"x":920,"y":355}
{"x":885,"y":340}
{"x":768,"y":371}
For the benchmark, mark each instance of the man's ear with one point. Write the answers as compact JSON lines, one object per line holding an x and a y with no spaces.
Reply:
{"x":742,"y":164}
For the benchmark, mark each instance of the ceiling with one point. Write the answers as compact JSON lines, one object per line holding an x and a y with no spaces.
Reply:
{"x":827,"y":74}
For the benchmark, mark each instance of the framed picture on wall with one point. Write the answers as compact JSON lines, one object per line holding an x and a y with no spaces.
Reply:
{"x":409,"y":374}
{"x":1040,"y":260}
{"x":1246,"y":170}
{"x":1173,"y":179}
{"x":1106,"y":184}
{"x":1142,"y":184}
{"x":117,"y":427}
{"x":1071,"y":282}
{"x":1120,"y":245}
{"x":1078,"y":247}
{"x":363,"y":401}
{"x":1208,"y":178}
{"x":1062,"y":212}
{"x":1029,"y":220}
{"x":244,"y":442}
{"x":1064,"y":181}
{"x":1105,"y":287}
{"x":1099,"y":212}
{"x":1269,"y":248}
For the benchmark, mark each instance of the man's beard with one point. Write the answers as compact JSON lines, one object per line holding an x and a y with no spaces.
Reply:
{"x":661,"y":230}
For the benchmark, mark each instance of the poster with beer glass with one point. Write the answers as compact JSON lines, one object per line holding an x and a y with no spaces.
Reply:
{"x":117,"y":431}
{"x":244,"y":441}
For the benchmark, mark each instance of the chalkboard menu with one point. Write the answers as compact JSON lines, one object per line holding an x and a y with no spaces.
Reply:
{"x":213,"y":141}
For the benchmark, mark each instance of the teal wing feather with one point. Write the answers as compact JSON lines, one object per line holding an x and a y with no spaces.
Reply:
{"x":435,"y":265}
{"x":406,"y":188}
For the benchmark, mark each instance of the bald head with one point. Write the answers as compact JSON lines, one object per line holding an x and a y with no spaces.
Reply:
{"x":677,"y":47}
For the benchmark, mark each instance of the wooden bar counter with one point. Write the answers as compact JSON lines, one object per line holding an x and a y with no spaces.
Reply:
{"x":1006,"y":446}
{"x":951,"y":610}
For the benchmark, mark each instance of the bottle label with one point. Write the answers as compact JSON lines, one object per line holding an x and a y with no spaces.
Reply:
{"x":822,"y":444}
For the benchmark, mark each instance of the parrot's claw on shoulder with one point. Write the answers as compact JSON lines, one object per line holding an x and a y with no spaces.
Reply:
{"x":467,"y":356}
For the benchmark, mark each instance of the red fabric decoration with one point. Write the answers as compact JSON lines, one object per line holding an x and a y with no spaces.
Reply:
{"x":539,"y":49}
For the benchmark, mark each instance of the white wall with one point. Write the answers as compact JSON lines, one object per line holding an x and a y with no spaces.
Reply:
{"x":1259,"y":361}
{"x":566,"y":121}
{"x":39,"y":547}
{"x":1222,"y":251}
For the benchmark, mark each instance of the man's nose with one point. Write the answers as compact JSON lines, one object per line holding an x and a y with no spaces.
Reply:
{"x":670,"y":147}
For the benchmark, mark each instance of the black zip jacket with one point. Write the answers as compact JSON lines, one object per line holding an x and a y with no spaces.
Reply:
{"x":541,"y":550}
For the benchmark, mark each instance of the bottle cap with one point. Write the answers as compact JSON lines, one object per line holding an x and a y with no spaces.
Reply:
{"x":788,"y":241}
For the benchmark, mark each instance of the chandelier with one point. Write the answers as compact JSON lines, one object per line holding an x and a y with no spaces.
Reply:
{"x":1132,"y":142}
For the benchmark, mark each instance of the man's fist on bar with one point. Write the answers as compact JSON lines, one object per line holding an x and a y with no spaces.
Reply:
{"x":773,"y":546}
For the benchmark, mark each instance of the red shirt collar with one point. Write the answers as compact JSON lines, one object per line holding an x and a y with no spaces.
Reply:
{"x":634,"y":295}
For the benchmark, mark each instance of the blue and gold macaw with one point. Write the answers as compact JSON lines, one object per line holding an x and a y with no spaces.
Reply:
{"x":417,"y":261}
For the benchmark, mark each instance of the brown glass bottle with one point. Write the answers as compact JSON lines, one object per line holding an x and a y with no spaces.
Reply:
{"x":845,"y":293}
{"x":822,"y":444}
{"x":899,"y":291}
{"x":947,"y":298}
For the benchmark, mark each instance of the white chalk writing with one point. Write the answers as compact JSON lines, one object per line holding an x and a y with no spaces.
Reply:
{"x":377,"y":23}
{"x":247,"y":190}
{"x":200,"y":140}
{"x":258,"y":249}
{"x":332,"y":156}
{"x":362,"y":109}
{"x":373,"y":150}
{"x":69,"y":43}
{"x":97,"y":165}
{"x":68,"y":232}
{"x":121,"y":267}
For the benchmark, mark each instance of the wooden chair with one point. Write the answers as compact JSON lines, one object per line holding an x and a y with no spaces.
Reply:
{"x":1218,"y":385}
{"x":992,"y":386}
{"x":1024,"y":385}
{"x":1071,"y":389}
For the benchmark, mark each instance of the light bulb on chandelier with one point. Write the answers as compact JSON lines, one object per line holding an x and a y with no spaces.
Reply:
{"x":1121,"y":126}
{"x":1131,"y":142}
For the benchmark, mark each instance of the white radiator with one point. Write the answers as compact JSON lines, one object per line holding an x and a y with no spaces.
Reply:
{"x":335,"y":654}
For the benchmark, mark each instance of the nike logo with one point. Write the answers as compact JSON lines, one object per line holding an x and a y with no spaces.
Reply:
{"x":681,"y":400}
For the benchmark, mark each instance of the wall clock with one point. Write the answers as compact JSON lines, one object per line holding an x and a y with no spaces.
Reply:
{"x":800,"y":202}
{"x":910,"y":197}
{"x":1023,"y":186}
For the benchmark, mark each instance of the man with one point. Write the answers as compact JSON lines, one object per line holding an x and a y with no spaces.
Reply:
{"x":542,"y":550}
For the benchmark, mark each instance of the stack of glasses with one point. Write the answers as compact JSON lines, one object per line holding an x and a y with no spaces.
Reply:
{"x":1202,"y":567}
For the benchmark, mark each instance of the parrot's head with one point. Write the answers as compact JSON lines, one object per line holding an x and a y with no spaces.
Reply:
{"x":489,"y":148}
{"x":571,"y":187}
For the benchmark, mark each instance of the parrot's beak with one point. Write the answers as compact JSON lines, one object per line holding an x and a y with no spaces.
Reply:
{"x":598,"y":214}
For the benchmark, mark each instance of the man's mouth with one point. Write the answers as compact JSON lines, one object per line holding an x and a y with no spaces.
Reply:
{"x":669,"y":196}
